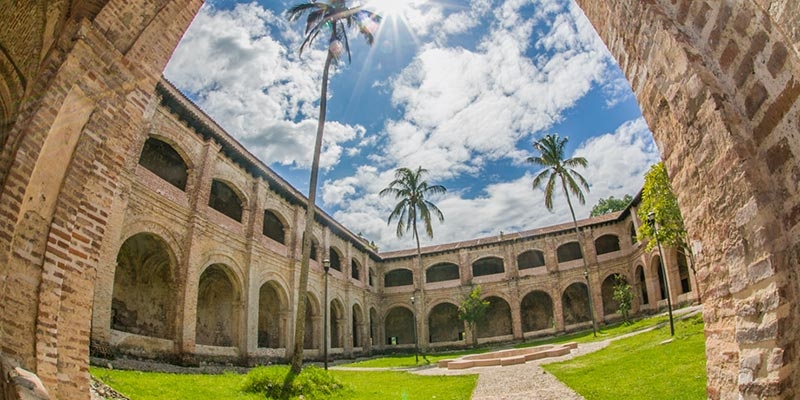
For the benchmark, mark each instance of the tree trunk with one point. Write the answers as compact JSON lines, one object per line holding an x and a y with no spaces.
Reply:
{"x":583,"y":257}
{"x":421,"y":280}
{"x":302,"y":286}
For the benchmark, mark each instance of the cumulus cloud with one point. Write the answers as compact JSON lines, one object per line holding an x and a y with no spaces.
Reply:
{"x":250,"y":80}
{"x":507,"y":206}
{"x":463,"y":108}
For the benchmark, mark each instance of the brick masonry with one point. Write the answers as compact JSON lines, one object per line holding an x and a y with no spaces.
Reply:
{"x":716,"y":81}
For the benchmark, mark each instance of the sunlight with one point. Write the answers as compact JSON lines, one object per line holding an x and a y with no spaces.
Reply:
{"x":393,"y":8}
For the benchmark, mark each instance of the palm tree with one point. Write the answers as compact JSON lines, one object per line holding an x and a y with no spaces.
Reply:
{"x":334,"y":17}
{"x":557,"y":168}
{"x":410,"y":188}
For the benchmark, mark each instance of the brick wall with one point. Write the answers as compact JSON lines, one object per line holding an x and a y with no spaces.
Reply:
{"x":716,"y":81}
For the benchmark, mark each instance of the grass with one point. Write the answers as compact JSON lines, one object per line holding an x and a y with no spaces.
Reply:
{"x":361,"y":385}
{"x":409,"y":361}
{"x":640,"y":367}
{"x":161,"y":386}
{"x":607,"y":332}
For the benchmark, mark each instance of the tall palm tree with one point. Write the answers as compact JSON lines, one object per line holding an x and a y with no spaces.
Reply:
{"x":410,"y":188}
{"x":557,"y":168}
{"x":332,"y":17}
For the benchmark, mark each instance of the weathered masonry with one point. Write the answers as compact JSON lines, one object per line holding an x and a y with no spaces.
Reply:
{"x":209,"y":244}
{"x":717,"y":81}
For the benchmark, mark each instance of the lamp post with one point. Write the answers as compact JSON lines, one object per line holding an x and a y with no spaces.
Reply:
{"x":651,"y":218}
{"x":326,"y":265}
{"x":416,"y":340}
{"x":591,"y":305}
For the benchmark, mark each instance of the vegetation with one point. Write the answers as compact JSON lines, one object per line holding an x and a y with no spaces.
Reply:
{"x":472,"y":310}
{"x":333,"y":16}
{"x":659,"y":199}
{"x":642,"y":367}
{"x":555,"y":167}
{"x":357,"y":385}
{"x":660,"y":202}
{"x":312,"y":383}
{"x":623,"y":294}
{"x":609,"y":205}
{"x":411,"y":189}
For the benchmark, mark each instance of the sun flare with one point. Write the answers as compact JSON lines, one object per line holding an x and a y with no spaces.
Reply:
{"x":393,"y":8}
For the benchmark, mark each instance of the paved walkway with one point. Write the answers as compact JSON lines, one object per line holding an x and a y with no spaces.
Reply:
{"x":529,"y":381}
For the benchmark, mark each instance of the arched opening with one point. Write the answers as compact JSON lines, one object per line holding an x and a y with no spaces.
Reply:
{"x":399,"y":326}
{"x":530,"y":259}
{"x":662,"y":282}
{"x":444,"y":324}
{"x":373,"y":317}
{"x":314,"y":249}
{"x":442,"y":272}
{"x":335,"y":258}
{"x":358,"y":323}
{"x":313,"y":319}
{"x":398,"y":277}
{"x":355,"y":269}
{"x":273,"y":227}
{"x":371,"y":276}
{"x":337,"y":324}
{"x":143,"y":300}
{"x":634,"y":239}
{"x":161,"y":159}
{"x":610,"y":305}
{"x":606,"y":244}
{"x":683,"y":273}
{"x":641,"y":283}
{"x":536,"y":311}
{"x":575,"y":304}
{"x":271,"y":307}
{"x":217,"y":307}
{"x":568,"y":252}
{"x":225,"y":200}
{"x":488,"y":266}
{"x":498,"y":319}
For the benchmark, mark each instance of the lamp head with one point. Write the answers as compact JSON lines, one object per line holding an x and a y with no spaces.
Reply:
{"x":412,"y":299}
{"x":326,"y":264}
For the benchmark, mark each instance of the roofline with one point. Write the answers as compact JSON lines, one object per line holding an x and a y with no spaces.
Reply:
{"x":172,"y":98}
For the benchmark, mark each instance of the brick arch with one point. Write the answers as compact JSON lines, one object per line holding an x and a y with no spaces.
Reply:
{"x":273,"y":305}
{"x":685,"y":60}
{"x":218,"y":311}
{"x":498,"y":321}
{"x":716,"y":82}
{"x":145,"y":287}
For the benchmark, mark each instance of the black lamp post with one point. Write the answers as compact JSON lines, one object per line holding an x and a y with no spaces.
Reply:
{"x":416,"y":340}
{"x":326,"y":265}
{"x":651,"y":217}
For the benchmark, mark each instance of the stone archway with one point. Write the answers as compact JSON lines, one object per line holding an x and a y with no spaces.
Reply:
{"x":143,"y":300}
{"x":715,"y":80}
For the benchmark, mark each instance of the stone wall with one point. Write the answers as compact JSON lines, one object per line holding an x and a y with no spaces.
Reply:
{"x":717,"y":83}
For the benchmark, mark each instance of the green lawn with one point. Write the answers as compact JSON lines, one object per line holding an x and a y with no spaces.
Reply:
{"x":640,"y":367}
{"x":363,"y":384}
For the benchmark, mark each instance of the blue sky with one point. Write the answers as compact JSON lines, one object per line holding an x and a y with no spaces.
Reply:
{"x":461,"y":88}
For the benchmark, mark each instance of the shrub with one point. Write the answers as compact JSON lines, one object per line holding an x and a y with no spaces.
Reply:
{"x":312,"y":383}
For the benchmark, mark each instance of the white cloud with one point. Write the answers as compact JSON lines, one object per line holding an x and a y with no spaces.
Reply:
{"x":617,"y":163}
{"x":462,"y":108}
{"x":238,"y":67}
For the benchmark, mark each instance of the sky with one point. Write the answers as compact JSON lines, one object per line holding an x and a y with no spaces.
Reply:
{"x":461,"y":88}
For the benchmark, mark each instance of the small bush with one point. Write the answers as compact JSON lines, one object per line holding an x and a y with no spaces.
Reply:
{"x":312,"y":383}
